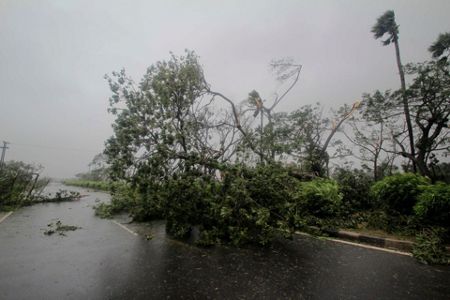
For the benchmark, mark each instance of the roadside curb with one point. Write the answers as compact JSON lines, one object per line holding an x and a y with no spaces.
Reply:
{"x":386,"y":243}
{"x":400,"y":245}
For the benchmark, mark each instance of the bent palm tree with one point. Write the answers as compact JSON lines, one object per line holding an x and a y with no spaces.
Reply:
{"x":441,"y":46}
{"x":386,"y":25}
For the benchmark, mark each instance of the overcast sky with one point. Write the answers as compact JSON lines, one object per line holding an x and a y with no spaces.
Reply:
{"x":54,"y":54}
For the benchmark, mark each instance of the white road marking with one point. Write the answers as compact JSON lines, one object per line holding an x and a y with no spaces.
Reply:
{"x":370,"y":247}
{"x":124,"y":227}
{"x":357,"y":244}
{"x":5,"y":216}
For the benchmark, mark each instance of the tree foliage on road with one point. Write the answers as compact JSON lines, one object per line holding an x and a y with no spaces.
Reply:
{"x":235,"y":171}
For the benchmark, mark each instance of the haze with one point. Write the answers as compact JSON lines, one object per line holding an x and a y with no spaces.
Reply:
{"x":54,"y":54}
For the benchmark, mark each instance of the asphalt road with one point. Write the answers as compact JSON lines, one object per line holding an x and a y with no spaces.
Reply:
{"x":102,"y":260}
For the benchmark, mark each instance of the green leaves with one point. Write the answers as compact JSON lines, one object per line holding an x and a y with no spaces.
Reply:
{"x":397,"y":194}
{"x":440,"y":46}
{"x":386,"y":25}
{"x":433,"y":205}
{"x":320,"y":198}
{"x":430,"y":247}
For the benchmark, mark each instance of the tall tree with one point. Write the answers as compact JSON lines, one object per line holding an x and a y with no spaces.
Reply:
{"x":386,"y":25}
{"x":305,"y":135}
{"x":166,"y":124}
{"x":370,"y":133}
{"x":428,"y":96}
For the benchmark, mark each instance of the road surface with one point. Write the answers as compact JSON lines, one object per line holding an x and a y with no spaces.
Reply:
{"x":103,"y":260}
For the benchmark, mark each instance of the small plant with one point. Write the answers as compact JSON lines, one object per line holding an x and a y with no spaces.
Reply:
{"x":429,"y":247}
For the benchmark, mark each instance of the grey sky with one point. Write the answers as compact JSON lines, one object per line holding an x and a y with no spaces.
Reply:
{"x":53,"y":56}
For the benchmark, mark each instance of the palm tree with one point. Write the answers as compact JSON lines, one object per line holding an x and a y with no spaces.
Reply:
{"x":441,"y":46}
{"x":386,"y":25}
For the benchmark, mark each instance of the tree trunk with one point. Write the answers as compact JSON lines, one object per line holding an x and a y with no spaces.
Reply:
{"x":375,"y":168}
{"x":405,"y":102}
{"x":261,"y":156}
{"x":422,"y":166}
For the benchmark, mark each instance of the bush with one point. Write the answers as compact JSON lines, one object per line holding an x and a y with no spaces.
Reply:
{"x":104,"y":210}
{"x":433,"y":206}
{"x":398,"y":224}
{"x":122,"y":199}
{"x":248,"y":205}
{"x":188,"y":200}
{"x":319,"y":198}
{"x":257,"y":204}
{"x":429,"y":247}
{"x":147,"y":201}
{"x":20,"y":184}
{"x":354,"y":185}
{"x":397,"y":194}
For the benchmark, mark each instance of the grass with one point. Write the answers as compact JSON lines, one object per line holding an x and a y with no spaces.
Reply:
{"x":91,"y":184}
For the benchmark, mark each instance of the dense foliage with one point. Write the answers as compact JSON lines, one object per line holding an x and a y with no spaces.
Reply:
{"x":187,"y":154}
{"x":397,"y":194}
{"x":430,"y":247}
{"x":319,"y":199}
{"x":433,"y":206}
{"x":355,"y":188}
{"x":20,"y":184}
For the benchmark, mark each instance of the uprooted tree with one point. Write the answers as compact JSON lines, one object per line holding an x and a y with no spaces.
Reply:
{"x":189,"y":154}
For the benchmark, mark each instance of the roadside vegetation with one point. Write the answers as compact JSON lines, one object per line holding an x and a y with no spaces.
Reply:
{"x":90,"y":184}
{"x":244,"y":173}
{"x":21,"y":185}
{"x":96,"y":178}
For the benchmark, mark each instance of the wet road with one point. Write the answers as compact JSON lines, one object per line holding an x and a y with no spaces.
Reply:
{"x":103,"y":261}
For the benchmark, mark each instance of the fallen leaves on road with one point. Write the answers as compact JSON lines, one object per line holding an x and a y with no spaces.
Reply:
{"x":59,"y":228}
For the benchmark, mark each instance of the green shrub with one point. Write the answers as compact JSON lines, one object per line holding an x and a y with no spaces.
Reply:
{"x":398,"y":224}
{"x":250,"y":205}
{"x":188,"y":199}
{"x":397,"y":194}
{"x":429,"y":247}
{"x":20,"y":185}
{"x":354,"y":186}
{"x":257,"y":204}
{"x":433,"y":206}
{"x":319,"y":198}
{"x":146,"y":202}
{"x":104,"y":210}
{"x":122,"y":199}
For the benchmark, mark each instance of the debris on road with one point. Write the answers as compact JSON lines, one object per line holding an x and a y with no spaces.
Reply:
{"x":59,"y":228}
